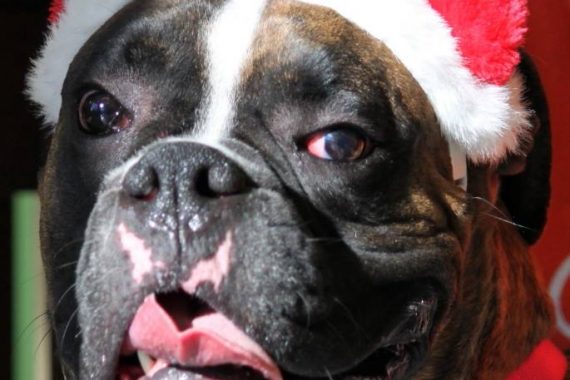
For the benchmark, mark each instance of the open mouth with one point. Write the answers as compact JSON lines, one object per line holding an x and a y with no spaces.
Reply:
{"x":178,"y":336}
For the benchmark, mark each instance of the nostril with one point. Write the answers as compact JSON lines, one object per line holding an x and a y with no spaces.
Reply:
{"x":203,"y":184}
{"x":142,"y":183}
{"x":223,"y":179}
{"x":177,"y":173}
{"x":228,"y":179}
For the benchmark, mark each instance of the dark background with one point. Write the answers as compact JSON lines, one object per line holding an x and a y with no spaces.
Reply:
{"x":22,"y":26}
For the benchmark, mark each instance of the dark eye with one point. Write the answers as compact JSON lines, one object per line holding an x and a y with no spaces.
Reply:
{"x":343,"y":144}
{"x":101,"y":114}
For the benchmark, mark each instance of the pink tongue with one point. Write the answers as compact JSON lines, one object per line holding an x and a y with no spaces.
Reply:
{"x":212,"y":340}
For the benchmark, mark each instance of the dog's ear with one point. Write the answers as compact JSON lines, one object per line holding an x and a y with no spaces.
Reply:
{"x":525,"y":178}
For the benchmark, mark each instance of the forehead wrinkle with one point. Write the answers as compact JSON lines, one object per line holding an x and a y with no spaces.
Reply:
{"x":288,"y":23}
{"x":229,"y":39}
{"x":291,"y":28}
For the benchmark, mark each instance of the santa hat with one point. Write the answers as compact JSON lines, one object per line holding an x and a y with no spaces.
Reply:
{"x":463,"y":53}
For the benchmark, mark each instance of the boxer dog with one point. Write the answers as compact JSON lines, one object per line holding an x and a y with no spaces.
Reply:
{"x":288,"y":213}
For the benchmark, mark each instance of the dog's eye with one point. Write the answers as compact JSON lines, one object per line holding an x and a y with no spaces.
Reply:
{"x":341,"y":144}
{"x":101,"y":114}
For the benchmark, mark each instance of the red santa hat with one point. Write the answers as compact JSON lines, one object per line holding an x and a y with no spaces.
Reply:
{"x":463,"y":53}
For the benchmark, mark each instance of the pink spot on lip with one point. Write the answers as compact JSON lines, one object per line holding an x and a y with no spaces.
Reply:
{"x":137,"y":252}
{"x":212,"y":270}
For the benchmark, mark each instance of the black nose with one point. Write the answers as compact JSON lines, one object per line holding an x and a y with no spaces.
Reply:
{"x":184,"y":173}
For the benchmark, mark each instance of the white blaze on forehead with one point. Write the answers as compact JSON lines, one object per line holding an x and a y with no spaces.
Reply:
{"x":229,"y":41}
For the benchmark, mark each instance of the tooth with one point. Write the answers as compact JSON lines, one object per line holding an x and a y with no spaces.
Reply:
{"x":146,"y":362}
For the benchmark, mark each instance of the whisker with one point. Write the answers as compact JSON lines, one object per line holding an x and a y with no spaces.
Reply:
{"x":503,"y":216}
{"x":359,"y":328}
{"x":324,"y":240}
{"x":288,"y":224}
{"x":69,"y":264}
{"x":37,"y":319}
{"x":73,"y":262}
{"x":335,"y":331}
{"x":491,"y":205}
{"x":73,"y":315}
{"x":67,"y":245}
{"x":509,"y":222}
{"x":46,"y":334}
{"x":307,"y":307}
{"x":100,"y":280}
{"x":28,"y":280}
{"x":70,"y":288}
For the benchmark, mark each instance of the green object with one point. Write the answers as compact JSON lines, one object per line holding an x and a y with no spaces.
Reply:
{"x":31,"y":340}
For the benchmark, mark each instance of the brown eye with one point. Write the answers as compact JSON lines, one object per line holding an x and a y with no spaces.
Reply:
{"x":342,"y":144}
{"x":101,"y":114}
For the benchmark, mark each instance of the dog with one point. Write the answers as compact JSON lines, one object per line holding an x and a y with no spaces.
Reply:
{"x":265,"y":190}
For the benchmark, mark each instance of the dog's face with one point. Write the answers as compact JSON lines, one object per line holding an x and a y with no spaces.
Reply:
{"x":284,"y":211}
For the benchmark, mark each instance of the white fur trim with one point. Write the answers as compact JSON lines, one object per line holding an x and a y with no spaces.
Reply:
{"x":484,"y":119}
{"x":76,"y":24}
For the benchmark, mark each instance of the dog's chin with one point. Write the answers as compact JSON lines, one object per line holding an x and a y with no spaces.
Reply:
{"x":392,"y":362}
{"x":165,"y":342}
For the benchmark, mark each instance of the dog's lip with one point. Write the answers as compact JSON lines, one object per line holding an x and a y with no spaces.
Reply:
{"x":400,"y":353}
{"x":392,"y":362}
{"x":210,"y":340}
{"x":397,"y":356}
{"x":405,"y":350}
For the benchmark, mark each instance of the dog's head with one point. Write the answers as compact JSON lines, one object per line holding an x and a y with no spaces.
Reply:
{"x":252,"y":189}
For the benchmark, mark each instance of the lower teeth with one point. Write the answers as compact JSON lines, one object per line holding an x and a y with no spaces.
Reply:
{"x":147,"y":363}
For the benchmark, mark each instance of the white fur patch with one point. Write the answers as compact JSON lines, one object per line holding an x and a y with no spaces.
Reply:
{"x":77,"y":23}
{"x":229,"y":41}
{"x":485,"y":120}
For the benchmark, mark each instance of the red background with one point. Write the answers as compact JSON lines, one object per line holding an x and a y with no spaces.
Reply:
{"x":549,"y":45}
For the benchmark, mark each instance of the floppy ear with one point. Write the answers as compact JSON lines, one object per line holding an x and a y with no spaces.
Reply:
{"x":525,"y":179}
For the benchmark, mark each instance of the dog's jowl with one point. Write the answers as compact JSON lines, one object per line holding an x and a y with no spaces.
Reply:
{"x":281,"y":189}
